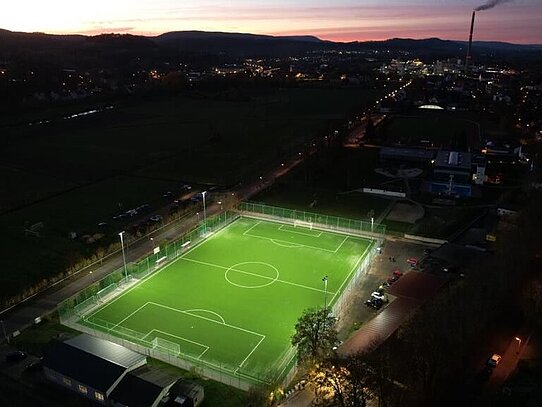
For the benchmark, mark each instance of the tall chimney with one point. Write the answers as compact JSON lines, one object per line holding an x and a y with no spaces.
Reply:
{"x":467,"y":60}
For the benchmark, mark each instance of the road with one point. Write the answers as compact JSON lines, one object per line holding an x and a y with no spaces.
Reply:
{"x":26,"y":313}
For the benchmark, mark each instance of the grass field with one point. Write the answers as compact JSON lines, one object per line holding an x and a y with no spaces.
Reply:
{"x":73,"y":174}
{"x":233,"y":300}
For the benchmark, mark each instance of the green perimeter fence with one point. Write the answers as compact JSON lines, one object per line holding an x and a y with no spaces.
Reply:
{"x":73,"y":312}
{"x":325,"y":222}
{"x":371,"y":230}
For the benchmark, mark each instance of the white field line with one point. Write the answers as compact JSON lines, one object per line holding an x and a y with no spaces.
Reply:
{"x":251,"y":352}
{"x":206,"y":348}
{"x":257,"y":275}
{"x":130,"y":315}
{"x":298,"y":232}
{"x":151,"y":275}
{"x":358,"y":261}
{"x":252,"y":227}
{"x":206,"y":310}
{"x":207,"y":319}
{"x":285,"y":242}
{"x":289,"y":245}
{"x":345,"y":239}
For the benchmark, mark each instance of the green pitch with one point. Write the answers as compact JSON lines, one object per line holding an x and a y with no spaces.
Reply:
{"x":233,"y":300}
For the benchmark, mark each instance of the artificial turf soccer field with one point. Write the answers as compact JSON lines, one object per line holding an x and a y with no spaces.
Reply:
{"x":232,"y":301}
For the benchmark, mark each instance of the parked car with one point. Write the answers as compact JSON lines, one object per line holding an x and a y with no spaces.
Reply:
{"x":374,"y":303}
{"x":397,"y":273}
{"x":427,"y":252}
{"x":412,"y":261}
{"x":379,"y":296}
{"x":494,"y":360}
{"x":392,"y":280}
{"x":15,"y":356}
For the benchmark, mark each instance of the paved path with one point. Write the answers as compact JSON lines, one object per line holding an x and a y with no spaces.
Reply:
{"x":24,"y":314}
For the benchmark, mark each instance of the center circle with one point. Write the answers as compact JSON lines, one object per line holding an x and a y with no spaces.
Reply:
{"x":244,"y":275}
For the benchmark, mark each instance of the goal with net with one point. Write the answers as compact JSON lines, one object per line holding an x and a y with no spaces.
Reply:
{"x":303,"y":224}
{"x":166,"y":346}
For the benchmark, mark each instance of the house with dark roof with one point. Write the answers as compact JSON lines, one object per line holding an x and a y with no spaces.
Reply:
{"x":90,"y":366}
{"x":143,"y":387}
{"x":185,"y":394}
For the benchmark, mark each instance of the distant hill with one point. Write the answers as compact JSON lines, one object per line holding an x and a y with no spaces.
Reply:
{"x":108,"y":46}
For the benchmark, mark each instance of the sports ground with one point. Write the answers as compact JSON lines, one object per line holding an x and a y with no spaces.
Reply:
{"x":232,"y":301}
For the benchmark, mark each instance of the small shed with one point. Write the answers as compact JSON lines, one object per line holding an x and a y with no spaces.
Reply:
{"x":143,"y":387}
{"x":185,"y":394}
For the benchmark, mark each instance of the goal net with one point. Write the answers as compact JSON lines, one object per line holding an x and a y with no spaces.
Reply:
{"x":166,"y":346}
{"x":303,"y":224}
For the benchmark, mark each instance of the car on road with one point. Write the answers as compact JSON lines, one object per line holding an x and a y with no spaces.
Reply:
{"x":494,"y":360}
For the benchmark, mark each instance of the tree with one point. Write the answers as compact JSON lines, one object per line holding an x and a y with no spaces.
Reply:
{"x":343,"y":382}
{"x":315,"y":335}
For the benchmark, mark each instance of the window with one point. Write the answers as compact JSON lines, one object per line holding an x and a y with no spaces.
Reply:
{"x":82,"y":389}
{"x":67,"y":381}
{"x":99,"y":396}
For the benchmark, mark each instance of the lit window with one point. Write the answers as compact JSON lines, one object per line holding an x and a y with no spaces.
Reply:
{"x":99,"y":396}
{"x":83,"y":389}
{"x":67,"y":381}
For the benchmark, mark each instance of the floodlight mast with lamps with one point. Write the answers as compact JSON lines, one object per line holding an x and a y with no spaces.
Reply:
{"x":325,"y":291}
{"x":204,"y":214}
{"x":123,"y":255}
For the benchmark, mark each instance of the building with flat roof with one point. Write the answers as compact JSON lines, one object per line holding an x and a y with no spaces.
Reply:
{"x":90,"y":366}
{"x":452,"y":174}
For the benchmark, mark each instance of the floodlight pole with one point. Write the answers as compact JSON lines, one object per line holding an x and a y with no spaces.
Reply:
{"x":6,"y":337}
{"x":325,"y":291}
{"x":204,"y":214}
{"x":123,"y":255}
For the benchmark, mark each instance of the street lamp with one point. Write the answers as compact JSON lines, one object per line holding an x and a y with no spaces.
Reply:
{"x":519,"y":344}
{"x":123,"y":255}
{"x":204,"y":213}
{"x":325,"y":291}
{"x":6,"y":337}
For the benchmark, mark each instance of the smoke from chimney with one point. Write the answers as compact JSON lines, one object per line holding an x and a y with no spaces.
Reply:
{"x":490,"y":4}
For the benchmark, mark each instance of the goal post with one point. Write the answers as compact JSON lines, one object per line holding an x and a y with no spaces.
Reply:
{"x":303,"y":224}
{"x":166,"y":346}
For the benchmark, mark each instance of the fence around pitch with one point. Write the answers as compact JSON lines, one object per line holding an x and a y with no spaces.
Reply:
{"x":319,"y":221}
{"x":73,"y":312}
{"x":118,"y":280}
{"x":376,"y":232}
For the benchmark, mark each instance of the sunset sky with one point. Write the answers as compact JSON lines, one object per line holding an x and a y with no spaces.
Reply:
{"x":340,"y":20}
